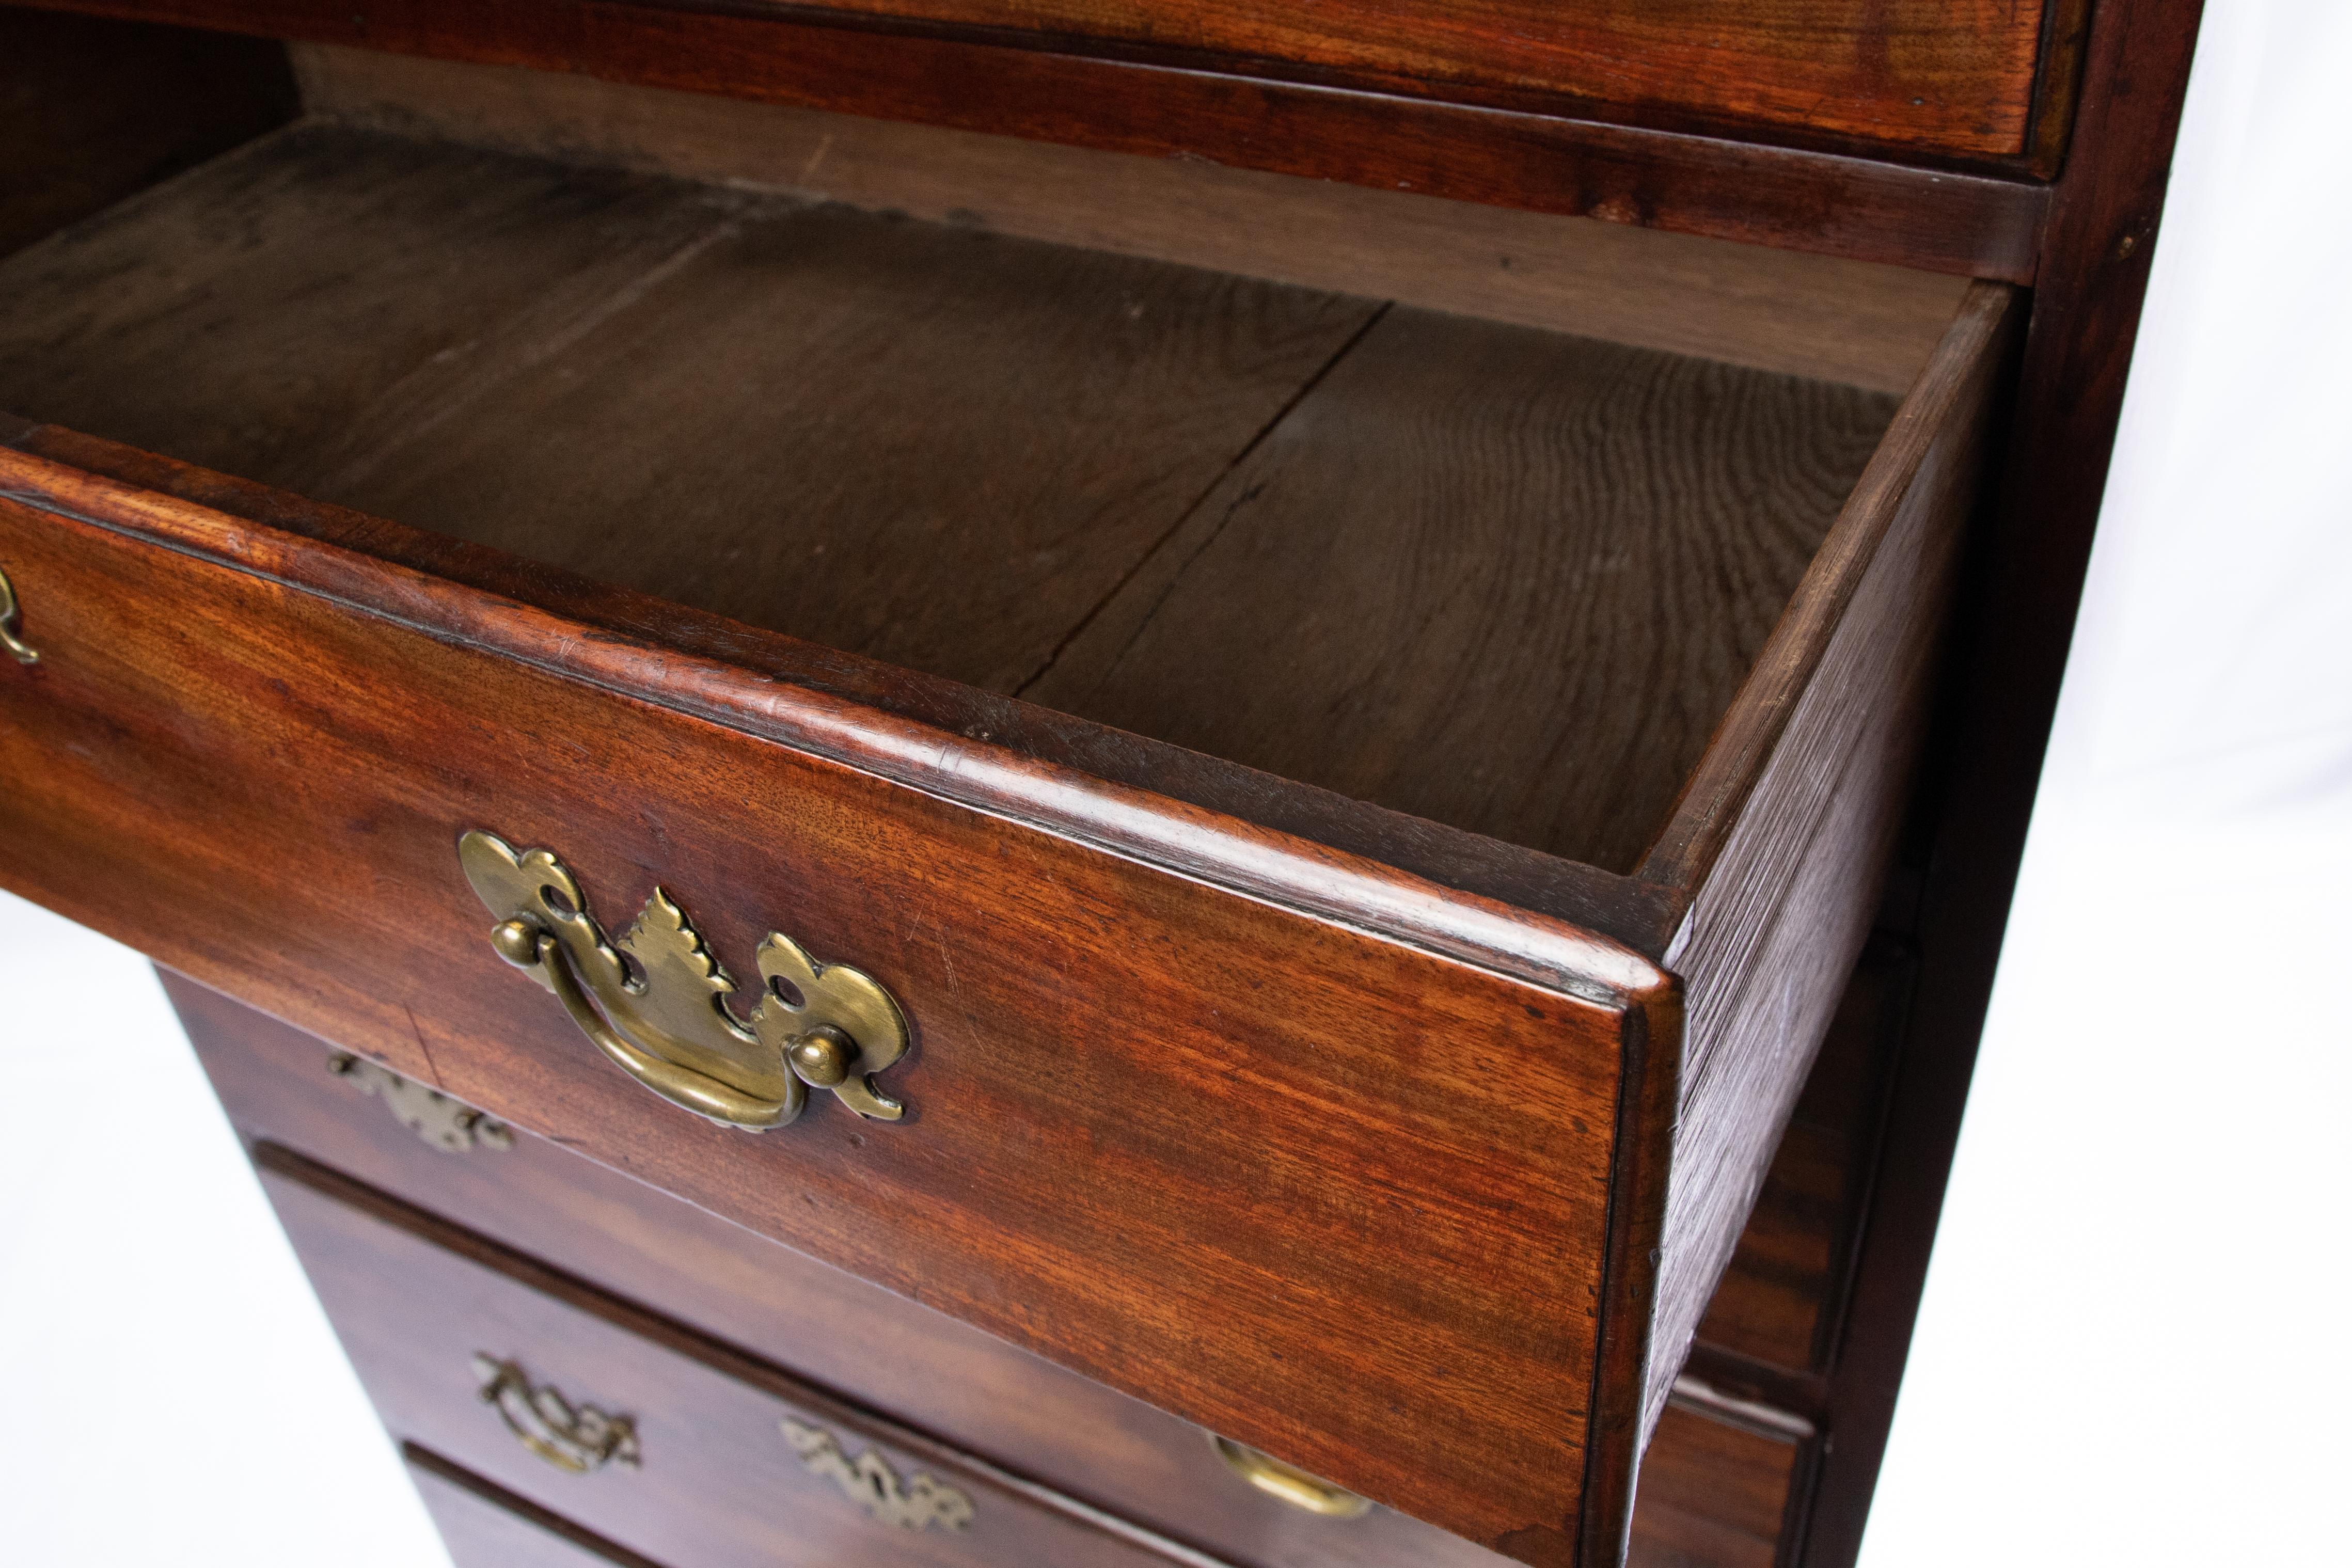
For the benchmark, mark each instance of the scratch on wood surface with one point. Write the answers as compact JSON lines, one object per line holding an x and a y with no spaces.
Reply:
{"x":430,"y":1065}
{"x":808,"y":170}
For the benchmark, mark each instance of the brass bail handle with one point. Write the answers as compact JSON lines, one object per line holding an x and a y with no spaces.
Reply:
{"x":1311,"y":1494}
{"x":577,"y":1439}
{"x":11,"y":616}
{"x":655,"y":1004}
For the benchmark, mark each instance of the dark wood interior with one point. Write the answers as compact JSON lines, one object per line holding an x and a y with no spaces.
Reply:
{"x":76,"y":139}
{"x":1105,"y":484}
{"x":1862,"y":323}
{"x":440,"y":331}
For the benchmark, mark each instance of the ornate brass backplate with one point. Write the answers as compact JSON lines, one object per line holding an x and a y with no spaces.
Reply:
{"x":8,"y":622}
{"x":868,"y":1482}
{"x":668,"y":1024}
{"x":444,"y":1123}
{"x":574,"y":1438}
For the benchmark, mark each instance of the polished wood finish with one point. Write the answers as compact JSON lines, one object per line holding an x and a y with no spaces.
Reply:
{"x":1072,"y":755}
{"x":1070,"y":1110}
{"x":1721,"y":896}
{"x":1828,"y":202}
{"x":486,"y":1526}
{"x":1818,"y":317}
{"x":1331,"y":1405}
{"x":717,"y":1486}
{"x":1713,"y":1494}
{"x":914,"y":1365}
{"x":919,"y":1368}
{"x":1954,"y":77}
{"x":972,"y":500}
{"x":1008,"y":561}
{"x":93,"y":111}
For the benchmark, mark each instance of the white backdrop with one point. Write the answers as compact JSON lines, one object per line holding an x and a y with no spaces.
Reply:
{"x":2125,"y":1351}
{"x":2130,"y":1348}
{"x":170,"y":1394}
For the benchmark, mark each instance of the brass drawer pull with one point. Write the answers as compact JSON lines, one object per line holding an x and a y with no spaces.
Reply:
{"x":1287,"y":1482}
{"x":868,"y":1482}
{"x":668,"y":1025}
{"x":10,"y":617}
{"x":444,"y":1123}
{"x":575,"y":1439}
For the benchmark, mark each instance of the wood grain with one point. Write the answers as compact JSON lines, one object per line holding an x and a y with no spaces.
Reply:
{"x":1954,"y":77}
{"x":1276,"y":837}
{"x":1514,"y":578}
{"x":1781,"y":1299}
{"x":862,"y":737}
{"x":1712,"y":1495}
{"x":907,"y":440}
{"x":922,"y":1370}
{"x":2095,"y":253}
{"x":485,"y":1526}
{"x":917,"y":1366}
{"x":93,"y":111}
{"x":1504,"y":579}
{"x":1820,"y":317}
{"x":1785,"y":832}
{"x":289,"y":838}
{"x":201,"y":365}
{"x":717,"y":1485}
{"x":307,"y":595}
{"x":1824,"y":201}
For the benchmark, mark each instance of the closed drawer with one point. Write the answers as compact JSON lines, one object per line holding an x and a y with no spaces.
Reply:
{"x":1712,"y":1492}
{"x":1715,"y":1493}
{"x":485,"y":1526}
{"x":1314,"y":1122}
{"x":639,"y":1432}
{"x":919,"y":1367}
{"x":1959,"y":77}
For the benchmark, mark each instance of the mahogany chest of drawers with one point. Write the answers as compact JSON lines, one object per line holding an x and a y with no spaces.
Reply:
{"x":1073,"y":784}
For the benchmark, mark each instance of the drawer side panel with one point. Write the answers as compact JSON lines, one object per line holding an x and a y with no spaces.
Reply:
{"x":1786,"y":894}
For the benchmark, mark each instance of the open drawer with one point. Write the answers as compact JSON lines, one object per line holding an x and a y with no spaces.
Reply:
{"x":1348,"y":821}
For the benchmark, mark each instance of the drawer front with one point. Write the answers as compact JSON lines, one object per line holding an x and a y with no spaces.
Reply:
{"x":639,"y":1432}
{"x":1322,"y":1192}
{"x":919,"y":1367}
{"x":484,"y":1526}
{"x":1953,"y":74}
{"x":1716,"y":1494}
{"x":1958,"y":76}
